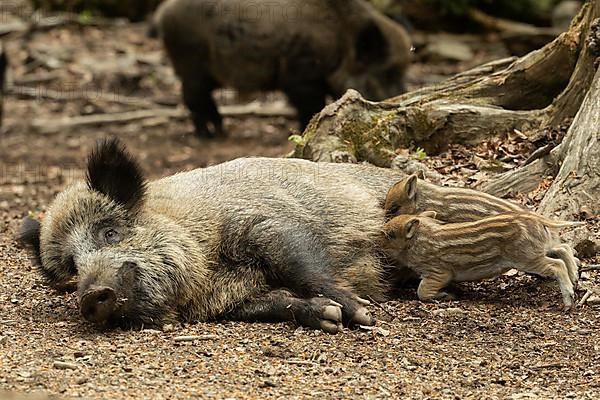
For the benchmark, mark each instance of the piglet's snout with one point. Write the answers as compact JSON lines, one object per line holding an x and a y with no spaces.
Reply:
{"x":97,"y":304}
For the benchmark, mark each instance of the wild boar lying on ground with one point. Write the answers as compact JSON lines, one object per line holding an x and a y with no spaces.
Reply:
{"x":413,"y":196}
{"x":444,"y":252}
{"x":308,"y":49}
{"x":251,"y":239}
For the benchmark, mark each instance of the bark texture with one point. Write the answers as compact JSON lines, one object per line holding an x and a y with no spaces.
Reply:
{"x":540,"y":89}
{"x":576,"y":188}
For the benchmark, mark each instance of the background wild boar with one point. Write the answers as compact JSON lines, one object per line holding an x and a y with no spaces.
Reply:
{"x":309,"y":49}
{"x":251,"y":239}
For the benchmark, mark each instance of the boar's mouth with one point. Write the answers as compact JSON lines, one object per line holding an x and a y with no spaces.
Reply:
{"x":106,"y":310}
{"x":121,"y":304}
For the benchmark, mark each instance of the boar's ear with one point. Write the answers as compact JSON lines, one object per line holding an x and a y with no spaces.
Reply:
{"x":371,"y":46}
{"x":428,"y":214}
{"x":112,"y":171}
{"x":29,"y":238}
{"x":411,"y":228}
{"x":411,"y":187}
{"x":389,"y":204}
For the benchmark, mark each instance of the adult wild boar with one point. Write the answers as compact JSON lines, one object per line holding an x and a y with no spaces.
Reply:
{"x":253,"y":239}
{"x":307,"y":48}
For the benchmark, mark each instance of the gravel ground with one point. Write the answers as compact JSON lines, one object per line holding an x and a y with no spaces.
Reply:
{"x":505,"y":338}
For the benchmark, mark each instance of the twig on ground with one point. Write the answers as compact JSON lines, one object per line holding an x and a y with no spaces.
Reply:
{"x":58,"y":125}
{"x":301,"y":362}
{"x":595,"y":267}
{"x":584,"y":298}
{"x":378,"y":305}
{"x":183,"y":339}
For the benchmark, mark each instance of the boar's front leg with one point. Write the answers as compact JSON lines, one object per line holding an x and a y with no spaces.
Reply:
{"x":282,"y":306}
{"x":431,"y":285}
{"x":197,"y":95}
{"x":197,"y":85}
{"x":295,"y":259}
{"x":307,"y":98}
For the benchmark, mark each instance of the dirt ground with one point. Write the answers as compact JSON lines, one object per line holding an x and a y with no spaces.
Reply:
{"x":505,"y":338}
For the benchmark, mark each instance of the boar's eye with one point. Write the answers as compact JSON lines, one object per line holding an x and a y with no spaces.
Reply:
{"x":111,"y":236}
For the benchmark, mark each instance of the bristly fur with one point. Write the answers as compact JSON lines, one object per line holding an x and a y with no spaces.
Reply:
{"x":112,"y":171}
{"x":29,"y":238}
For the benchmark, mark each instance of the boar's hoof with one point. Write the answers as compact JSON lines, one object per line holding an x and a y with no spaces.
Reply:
{"x":362,"y":316}
{"x":98,"y":304}
{"x":445,"y":296}
{"x":362,"y":302}
{"x":568,"y":303}
{"x":325,"y":314}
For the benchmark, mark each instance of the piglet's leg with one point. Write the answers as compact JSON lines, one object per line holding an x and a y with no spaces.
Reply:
{"x":566,"y":254}
{"x":549,"y":267}
{"x":282,"y":306}
{"x":432,"y":284}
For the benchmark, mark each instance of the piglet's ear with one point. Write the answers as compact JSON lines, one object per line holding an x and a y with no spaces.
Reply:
{"x":428,"y":214}
{"x":112,"y":171}
{"x":411,"y":228}
{"x":411,"y":186}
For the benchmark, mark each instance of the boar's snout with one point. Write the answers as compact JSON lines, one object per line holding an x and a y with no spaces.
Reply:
{"x":98,"y":304}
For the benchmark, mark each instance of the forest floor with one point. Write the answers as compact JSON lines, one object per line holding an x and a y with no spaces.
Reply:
{"x":504,"y":338}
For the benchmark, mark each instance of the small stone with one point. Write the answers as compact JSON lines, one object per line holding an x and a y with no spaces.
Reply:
{"x":381,"y":331}
{"x":593,"y":300}
{"x":168,"y":328}
{"x":585,"y":276}
{"x":268,"y":384}
{"x":79,"y":354}
{"x":81,"y":381}
{"x":64,"y":365}
{"x":449,"y":312}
